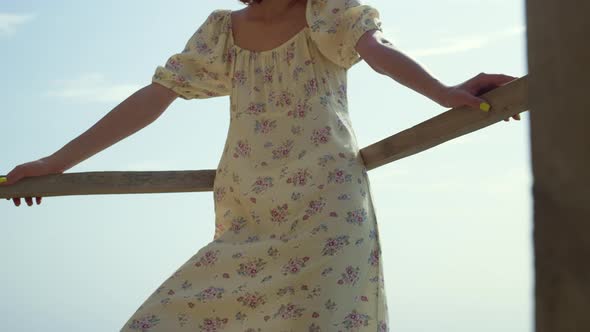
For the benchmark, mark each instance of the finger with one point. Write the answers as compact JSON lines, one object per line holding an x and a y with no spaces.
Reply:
{"x":29,"y":200}
{"x":516,"y":117}
{"x":506,"y":119}
{"x":485,"y":88}
{"x":16,"y":201}
{"x":38,"y":200}
{"x":473,"y":101}
{"x":488,"y":82}
{"x":499,"y":78}
{"x":478,"y":84}
{"x":505,"y":77}
{"x":13,"y":176}
{"x":5,"y":180}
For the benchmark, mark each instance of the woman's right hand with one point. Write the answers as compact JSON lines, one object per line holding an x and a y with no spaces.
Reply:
{"x":43,"y":166}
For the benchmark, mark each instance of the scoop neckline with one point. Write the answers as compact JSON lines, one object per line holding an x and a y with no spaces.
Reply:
{"x":273,"y":50}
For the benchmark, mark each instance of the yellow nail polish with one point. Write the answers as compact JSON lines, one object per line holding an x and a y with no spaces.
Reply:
{"x":3,"y":179}
{"x":485,"y":107}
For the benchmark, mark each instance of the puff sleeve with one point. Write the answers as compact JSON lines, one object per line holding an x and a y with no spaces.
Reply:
{"x":202,"y":69}
{"x":337,"y":25}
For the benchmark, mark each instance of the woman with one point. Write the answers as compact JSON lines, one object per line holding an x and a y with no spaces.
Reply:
{"x":296,"y":246}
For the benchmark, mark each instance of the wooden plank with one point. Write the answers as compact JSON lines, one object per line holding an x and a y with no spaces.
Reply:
{"x":507,"y":100}
{"x":107,"y":183}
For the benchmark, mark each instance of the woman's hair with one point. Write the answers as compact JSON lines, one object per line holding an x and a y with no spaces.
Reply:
{"x":250,"y":1}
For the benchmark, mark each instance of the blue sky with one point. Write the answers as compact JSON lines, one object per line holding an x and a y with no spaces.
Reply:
{"x":455,"y":221}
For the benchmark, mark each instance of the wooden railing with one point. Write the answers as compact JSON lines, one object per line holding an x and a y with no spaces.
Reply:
{"x":506,"y":101}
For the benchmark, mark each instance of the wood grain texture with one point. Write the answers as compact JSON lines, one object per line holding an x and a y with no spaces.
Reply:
{"x":559,"y":65}
{"x":507,"y":100}
{"x":103,"y":183}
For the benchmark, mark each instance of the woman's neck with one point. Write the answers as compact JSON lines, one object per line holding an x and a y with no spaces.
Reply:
{"x":270,"y":11}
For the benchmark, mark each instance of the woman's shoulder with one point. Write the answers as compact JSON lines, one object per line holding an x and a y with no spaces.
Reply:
{"x":337,"y":25}
{"x":328,"y":14}
{"x":216,"y":25}
{"x":220,"y":13}
{"x":333,"y":6}
{"x":218,"y":17}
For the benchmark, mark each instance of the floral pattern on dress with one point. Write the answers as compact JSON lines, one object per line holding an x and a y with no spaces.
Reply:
{"x":296,"y":245}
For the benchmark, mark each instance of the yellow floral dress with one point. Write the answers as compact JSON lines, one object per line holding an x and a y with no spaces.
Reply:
{"x":296,"y":245}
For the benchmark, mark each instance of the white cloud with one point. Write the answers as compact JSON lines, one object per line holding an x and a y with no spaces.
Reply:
{"x":9,"y":22}
{"x":92,"y":87}
{"x":451,"y":45}
{"x":466,"y":43}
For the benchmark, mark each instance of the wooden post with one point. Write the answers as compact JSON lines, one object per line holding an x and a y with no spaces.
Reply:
{"x":559,"y":68}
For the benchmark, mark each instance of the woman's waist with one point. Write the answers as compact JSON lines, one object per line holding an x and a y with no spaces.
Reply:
{"x":246,"y":154}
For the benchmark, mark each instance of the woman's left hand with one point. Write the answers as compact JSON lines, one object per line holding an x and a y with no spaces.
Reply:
{"x":466,"y":93}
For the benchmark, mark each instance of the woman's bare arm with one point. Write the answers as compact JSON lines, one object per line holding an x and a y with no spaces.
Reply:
{"x":134,"y":113}
{"x":385,"y":59}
